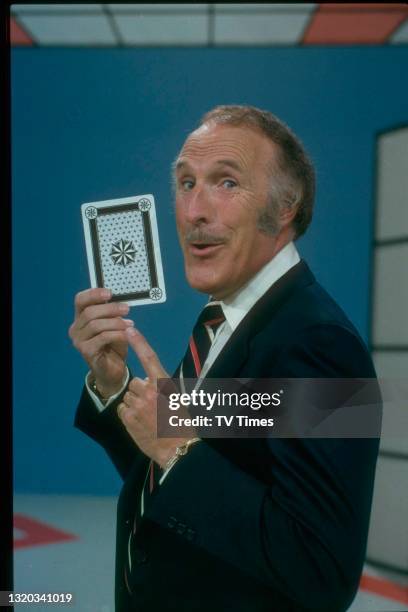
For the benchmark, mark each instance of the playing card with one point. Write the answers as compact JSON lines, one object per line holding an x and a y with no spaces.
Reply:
{"x":122,"y":246}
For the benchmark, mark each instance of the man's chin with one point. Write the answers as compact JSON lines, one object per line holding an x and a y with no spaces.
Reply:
{"x":202,"y":283}
{"x":202,"y":287}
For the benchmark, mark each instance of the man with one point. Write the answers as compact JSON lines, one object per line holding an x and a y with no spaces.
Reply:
{"x":242,"y":524}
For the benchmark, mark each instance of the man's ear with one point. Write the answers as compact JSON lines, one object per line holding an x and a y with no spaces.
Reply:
{"x":287,"y":214}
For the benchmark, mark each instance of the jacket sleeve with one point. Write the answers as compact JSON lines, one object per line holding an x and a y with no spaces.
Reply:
{"x":106,"y":428}
{"x":301,"y":529}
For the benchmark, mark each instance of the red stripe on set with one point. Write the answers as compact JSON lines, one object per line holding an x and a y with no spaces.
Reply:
{"x":18,"y":36}
{"x":354,"y":23}
{"x":384,"y":588}
{"x":38,"y":534}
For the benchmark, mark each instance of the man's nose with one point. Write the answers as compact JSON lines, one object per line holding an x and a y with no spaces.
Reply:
{"x":199,"y":206}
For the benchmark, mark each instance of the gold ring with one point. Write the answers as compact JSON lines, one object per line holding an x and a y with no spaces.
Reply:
{"x":121,"y":406}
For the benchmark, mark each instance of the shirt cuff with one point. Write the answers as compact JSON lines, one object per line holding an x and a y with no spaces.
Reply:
{"x":96,"y":400}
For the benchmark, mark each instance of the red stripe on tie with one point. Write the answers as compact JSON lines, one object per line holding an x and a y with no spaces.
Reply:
{"x":194,"y":354}
{"x":214,"y":321}
{"x":151,"y":481}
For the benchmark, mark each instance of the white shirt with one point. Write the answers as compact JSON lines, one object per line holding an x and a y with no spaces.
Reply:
{"x":237,"y":306}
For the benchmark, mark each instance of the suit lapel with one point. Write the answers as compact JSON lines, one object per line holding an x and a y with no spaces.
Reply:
{"x":234,"y":354}
{"x":230,"y":362}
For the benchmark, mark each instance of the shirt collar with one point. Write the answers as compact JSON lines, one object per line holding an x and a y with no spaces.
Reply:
{"x":235,"y":307}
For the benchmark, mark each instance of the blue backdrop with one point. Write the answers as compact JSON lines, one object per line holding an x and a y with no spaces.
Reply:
{"x":94,"y":124}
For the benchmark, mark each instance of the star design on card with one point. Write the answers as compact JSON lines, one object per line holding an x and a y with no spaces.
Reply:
{"x":144,"y":205}
{"x":91,"y":212}
{"x":123,"y":252}
{"x":155,"y":293}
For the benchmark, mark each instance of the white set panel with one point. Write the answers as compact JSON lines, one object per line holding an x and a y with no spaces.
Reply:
{"x":259,"y":28}
{"x":390,"y":301}
{"x":392,"y":370}
{"x":69,"y":29}
{"x":395,"y":444}
{"x":392,"y":197}
{"x":401,"y":34}
{"x":157,"y":7}
{"x":50,"y":8}
{"x":166,"y":29}
{"x":266,"y":7}
{"x":388,"y":535}
{"x":391,"y":364}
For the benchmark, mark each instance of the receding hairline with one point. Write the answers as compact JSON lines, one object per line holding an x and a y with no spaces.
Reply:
{"x":244,"y":124}
{"x":271,"y":163}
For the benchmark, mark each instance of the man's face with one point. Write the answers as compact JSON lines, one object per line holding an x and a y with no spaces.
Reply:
{"x":223,"y":179}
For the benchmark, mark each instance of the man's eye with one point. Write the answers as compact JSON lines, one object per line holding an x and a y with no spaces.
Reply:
{"x":187,"y":184}
{"x":229,"y":183}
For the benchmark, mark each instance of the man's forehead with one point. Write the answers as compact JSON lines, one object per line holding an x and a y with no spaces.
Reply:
{"x":217,"y":131}
{"x":223,"y":142}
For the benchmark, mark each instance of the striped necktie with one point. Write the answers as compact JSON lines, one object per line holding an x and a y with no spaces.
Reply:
{"x":211,"y":317}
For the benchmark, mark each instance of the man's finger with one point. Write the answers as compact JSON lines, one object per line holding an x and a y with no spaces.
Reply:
{"x":97,"y":326}
{"x":120,"y":409}
{"x":146,"y":355}
{"x":90,"y":297}
{"x":138,"y":386}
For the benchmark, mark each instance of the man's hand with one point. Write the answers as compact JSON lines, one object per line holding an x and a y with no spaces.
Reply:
{"x":138,"y":411}
{"x":98,"y":333}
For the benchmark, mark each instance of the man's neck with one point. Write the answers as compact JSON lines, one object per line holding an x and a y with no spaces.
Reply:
{"x":236,"y":305}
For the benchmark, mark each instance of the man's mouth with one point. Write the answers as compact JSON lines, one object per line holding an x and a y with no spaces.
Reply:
{"x":204,"y":249}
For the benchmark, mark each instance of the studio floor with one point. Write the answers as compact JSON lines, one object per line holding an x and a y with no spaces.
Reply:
{"x":65,"y":544}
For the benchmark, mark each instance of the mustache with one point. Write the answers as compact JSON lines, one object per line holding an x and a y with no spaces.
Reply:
{"x":200,"y":235}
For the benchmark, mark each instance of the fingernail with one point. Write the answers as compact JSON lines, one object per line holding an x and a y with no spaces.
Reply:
{"x":106,"y":293}
{"x":130,"y":331}
{"x":123,"y":308}
{"x":129,"y":322}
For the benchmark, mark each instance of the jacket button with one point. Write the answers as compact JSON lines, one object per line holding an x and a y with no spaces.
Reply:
{"x":190,"y":534}
{"x":140,"y":557}
{"x":172,"y":522}
{"x":181,"y":528}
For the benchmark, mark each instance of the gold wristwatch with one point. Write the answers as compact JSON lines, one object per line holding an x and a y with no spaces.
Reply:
{"x":180,"y":451}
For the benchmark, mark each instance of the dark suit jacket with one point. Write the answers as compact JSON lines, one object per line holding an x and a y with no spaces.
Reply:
{"x":247,"y":525}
